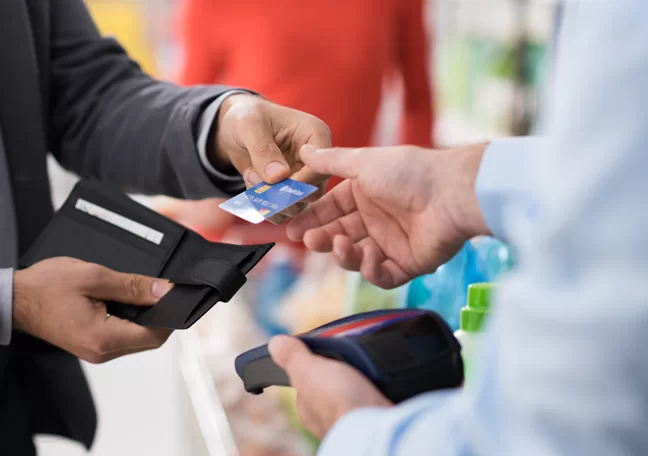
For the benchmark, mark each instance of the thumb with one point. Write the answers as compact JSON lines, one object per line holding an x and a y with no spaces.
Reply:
{"x":294,"y":357}
{"x":336,"y":161}
{"x":267,"y":159}
{"x":109,"y":285}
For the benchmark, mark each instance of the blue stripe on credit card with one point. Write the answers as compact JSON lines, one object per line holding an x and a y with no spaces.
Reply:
{"x":262,"y":201}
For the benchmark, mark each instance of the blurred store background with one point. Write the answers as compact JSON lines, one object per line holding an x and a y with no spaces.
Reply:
{"x":456,"y":71}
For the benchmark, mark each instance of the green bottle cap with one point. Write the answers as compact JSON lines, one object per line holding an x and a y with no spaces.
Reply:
{"x":473,"y":315}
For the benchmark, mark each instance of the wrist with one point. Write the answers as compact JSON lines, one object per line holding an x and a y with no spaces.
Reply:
{"x":24,"y":304}
{"x":463,"y":204}
{"x":218,"y":156}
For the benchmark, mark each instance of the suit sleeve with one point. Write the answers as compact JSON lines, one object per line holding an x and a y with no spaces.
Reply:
{"x":110,"y":121}
{"x":413,"y":59}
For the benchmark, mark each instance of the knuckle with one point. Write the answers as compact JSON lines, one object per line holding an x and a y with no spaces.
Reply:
{"x":101,"y":345}
{"x":265,"y":149}
{"x":323,"y":130}
{"x":132,"y":285}
{"x":93,"y":272}
{"x":161,"y":337}
{"x":96,"y":358}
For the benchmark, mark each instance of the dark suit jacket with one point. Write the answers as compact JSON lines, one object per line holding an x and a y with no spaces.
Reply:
{"x":67,"y":91}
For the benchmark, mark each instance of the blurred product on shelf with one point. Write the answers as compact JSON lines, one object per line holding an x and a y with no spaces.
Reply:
{"x":491,"y":61}
{"x":473,"y":319}
{"x":495,"y":258}
{"x":275,"y":283}
{"x":362,"y":296}
{"x":127,"y":21}
{"x":484,"y":259}
{"x":258,"y":425}
{"x":317,"y":297}
{"x":445,"y":291}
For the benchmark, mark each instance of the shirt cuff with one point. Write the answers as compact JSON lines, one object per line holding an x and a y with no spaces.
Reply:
{"x":352,"y":434}
{"x":6,"y":305}
{"x":206,"y":121}
{"x":503,"y":179}
{"x":402,"y":429}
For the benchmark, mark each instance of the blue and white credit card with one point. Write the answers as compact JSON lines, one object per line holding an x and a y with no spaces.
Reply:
{"x":265,"y":200}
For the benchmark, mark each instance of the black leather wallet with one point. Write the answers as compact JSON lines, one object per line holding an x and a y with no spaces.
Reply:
{"x":102,"y":225}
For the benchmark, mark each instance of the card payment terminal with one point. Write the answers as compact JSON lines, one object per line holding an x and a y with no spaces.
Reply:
{"x":403,"y":352}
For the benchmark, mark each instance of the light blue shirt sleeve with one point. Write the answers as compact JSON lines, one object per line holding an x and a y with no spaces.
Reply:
{"x":6,"y":305}
{"x":503,"y":181}
{"x":563,"y":369}
{"x":206,"y":121}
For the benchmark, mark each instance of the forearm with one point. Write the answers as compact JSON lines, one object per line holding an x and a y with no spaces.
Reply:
{"x":6,"y":305}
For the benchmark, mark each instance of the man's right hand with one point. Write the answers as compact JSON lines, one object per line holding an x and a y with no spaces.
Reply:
{"x":61,"y":300}
{"x":402,"y":212}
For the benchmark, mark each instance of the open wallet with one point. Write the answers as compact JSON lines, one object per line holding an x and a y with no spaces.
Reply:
{"x":102,"y":225}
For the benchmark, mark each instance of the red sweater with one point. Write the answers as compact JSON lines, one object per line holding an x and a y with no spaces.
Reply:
{"x":325,"y":57}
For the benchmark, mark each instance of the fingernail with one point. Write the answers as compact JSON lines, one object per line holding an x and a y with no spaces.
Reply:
{"x":160,"y":288}
{"x":308,"y":149}
{"x":275,"y":168}
{"x":253,"y":178}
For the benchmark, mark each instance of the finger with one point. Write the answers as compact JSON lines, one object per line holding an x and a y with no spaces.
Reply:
{"x":347,"y":254}
{"x":337,"y":203}
{"x":294,"y":357}
{"x":300,"y":207}
{"x":294,"y":210}
{"x":321,"y":137}
{"x":278,"y":219}
{"x":251,"y":177}
{"x":121,"y":336}
{"x":127,"y":352}
{"x":341,"y":162}
{"x":379,"y":270}
{"x":309,"y":176}
{"x":391,"y":275}
{"x":267,"y":159}
{"x":108,"y":285}
{"x":351,"y":226}
{"x":321,"y":189}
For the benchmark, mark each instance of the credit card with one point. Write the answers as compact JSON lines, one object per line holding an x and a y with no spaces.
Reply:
{"x":262,"y":201}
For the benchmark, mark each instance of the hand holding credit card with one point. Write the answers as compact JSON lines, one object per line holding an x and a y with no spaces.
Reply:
{"x":263,"y":201}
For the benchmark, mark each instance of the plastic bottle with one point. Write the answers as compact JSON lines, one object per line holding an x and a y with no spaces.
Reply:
{"x":472,"y":321}
{"x":445,"y":291}
{"x":361,"y":296}
{"x":494,"y":257}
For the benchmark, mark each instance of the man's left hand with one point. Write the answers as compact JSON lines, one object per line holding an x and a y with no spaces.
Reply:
{"x":262,"y":141}
{"x":326,"y":389}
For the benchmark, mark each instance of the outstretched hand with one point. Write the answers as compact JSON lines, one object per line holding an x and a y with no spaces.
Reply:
{"x":402,"y":212}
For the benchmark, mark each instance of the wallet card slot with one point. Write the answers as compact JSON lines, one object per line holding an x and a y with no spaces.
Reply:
{"x":123,"y":206}
{"x":74,"y":239}
{"x":115,"y":232}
